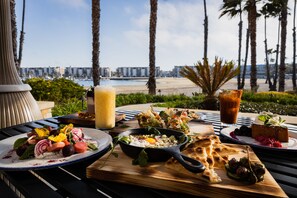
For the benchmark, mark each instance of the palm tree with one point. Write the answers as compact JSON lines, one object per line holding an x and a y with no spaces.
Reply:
{"x":282,"y":67}
{"x":252,"y":24}
{"x":151,"y":84}
{"x":96,"y":43}
{"x":233,"y":8}
{"x":275,"y":77}
{"x":273,"y":9}
{"x":247,"y":41}
{"x":294,"y":48}
{"x":210,"y":78}
{"x":205,"y":30}
{"x":265,"y":12}
{"x":21,"y":37}
{"x":14,"y":32}
{"x":17,"y":57}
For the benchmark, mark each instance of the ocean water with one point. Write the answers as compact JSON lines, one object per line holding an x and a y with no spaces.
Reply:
{"x":88,"y":83}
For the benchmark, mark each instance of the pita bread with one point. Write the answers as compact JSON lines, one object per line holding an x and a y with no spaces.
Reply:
{"x":210,"y":152}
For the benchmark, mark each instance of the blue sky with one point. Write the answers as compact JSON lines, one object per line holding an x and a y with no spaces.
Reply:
{"x":58,"y":33}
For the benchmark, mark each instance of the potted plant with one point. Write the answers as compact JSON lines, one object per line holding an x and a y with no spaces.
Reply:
{"x":210,"y":78}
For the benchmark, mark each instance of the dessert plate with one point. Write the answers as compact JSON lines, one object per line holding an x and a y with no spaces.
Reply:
{"x":10,"y":161}
{"x":286,"y":146}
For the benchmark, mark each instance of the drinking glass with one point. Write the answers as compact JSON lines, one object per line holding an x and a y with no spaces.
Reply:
{"x":229,"y":106}
{"x":104,"y":107}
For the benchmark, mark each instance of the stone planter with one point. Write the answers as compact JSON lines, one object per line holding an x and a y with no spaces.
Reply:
{"x":211,"y":103}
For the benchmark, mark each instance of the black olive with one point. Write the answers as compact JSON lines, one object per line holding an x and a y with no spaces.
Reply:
{"x":21,"y":149}
{"x":258,"y":169}
{"x":233,"y":165}
{"x":242,"y":172}
{"x":244,"y":162}
{"x":68,"y":150}
{"x":252,"y":178}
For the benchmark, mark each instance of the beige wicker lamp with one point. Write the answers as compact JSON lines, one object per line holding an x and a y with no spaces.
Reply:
{"x":17,"y":104}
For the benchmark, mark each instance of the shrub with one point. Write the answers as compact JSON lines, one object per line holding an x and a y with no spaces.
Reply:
{"x":275,"y":97}
{"x":141,"y":98}
{"x":69,"y":106}
{"x":255,"y":107}
{"x":57,"y":90}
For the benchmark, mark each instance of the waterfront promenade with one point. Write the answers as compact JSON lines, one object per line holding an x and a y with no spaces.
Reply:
{"x":185,"y":86}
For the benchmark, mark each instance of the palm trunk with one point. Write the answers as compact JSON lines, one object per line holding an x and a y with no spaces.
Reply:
{"x":239,"y":52}
{"x":21,"y":38}
{"x":252,"y":16}
{"x":153,"y":25}
{"x":294,"y":49}
{"x":205,"y":31}
{"x":273,"y":88}
{"x":246,"y":58}
{"x":282,"y":67}
{"x":14,"y":32}
{"x":96,"y":43}
{"x":266,"y":55}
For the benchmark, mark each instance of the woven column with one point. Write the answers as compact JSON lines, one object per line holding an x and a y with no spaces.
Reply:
{"x":17,"y":104}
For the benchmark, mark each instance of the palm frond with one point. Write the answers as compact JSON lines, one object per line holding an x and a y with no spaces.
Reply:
{"x":210,"y":78}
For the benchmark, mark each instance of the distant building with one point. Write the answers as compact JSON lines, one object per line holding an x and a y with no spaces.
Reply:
{"x":176,"y":70}
{"x":105,"y":72}
{"x":135,"y":71}
{"x":261,"y":70}
{"x":56,"y":72}
{"x":45,"y":72}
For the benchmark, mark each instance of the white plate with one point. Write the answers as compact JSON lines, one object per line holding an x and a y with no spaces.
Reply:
{"x":289,"y":146}
{"x":10,"y":161}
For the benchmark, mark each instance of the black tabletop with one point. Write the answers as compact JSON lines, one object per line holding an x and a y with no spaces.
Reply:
{"x":71,"y":181}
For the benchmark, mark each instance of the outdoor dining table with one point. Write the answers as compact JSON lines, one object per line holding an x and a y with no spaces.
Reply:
{"x":71,"y":180}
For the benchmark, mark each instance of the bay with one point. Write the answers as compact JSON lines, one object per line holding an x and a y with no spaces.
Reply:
{"x":88,"y":83}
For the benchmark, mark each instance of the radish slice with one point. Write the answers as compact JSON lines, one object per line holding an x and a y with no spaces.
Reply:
{"x":77,"y":134}
{"x":31,"y":139}
{"x":41,"y":147}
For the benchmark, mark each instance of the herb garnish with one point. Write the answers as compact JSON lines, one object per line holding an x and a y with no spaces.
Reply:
{"x":142,"y":159}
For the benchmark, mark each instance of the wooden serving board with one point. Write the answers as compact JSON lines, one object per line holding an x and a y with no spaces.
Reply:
{"x":157,"y":176}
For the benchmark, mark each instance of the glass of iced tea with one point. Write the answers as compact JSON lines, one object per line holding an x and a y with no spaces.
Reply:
{"x":229,"y":106}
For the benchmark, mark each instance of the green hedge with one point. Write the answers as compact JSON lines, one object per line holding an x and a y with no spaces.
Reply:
{"x":141,"y":98}
{"x":57,"y":90}
{"x":274,"y":97}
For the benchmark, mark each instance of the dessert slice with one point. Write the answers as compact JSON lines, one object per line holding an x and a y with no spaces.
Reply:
{"x":270,"y":125}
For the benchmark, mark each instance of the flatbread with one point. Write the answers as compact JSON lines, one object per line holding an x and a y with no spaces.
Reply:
{"x":210,"y":152}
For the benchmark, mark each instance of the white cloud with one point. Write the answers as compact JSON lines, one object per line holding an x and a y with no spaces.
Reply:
{"x":128,"y":10}
{"x":74,"y":3}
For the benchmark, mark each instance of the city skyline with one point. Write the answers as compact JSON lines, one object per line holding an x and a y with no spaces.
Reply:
{"x":58,"y":33}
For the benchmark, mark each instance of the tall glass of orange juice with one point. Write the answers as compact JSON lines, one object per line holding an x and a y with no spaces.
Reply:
{"x":104,"y":107}
{"x":229,"y":106}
